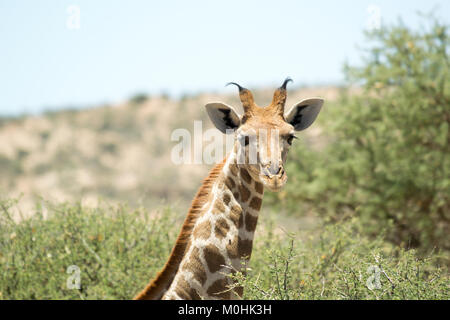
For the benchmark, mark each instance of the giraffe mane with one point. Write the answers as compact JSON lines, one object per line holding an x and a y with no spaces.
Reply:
{"x":162,"y":281}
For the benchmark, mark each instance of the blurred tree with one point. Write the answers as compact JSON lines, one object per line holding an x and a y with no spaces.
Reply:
{"x":139,"y":98}
{"x":388,"y":160}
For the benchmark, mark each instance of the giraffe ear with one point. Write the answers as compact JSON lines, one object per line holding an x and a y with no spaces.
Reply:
{"x":223,"y":116}
{"x":303,"y":114}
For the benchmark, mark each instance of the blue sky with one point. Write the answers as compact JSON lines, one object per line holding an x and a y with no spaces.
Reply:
{"x":178,"y":47}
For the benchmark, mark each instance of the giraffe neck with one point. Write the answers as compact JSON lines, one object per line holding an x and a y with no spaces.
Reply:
{"x":159,"y":285}
{"x":222,"y":237}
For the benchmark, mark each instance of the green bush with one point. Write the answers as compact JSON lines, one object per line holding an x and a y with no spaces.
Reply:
{"x":339,"y":262}
{"x":117,"y":250}
{"x":388,"y":155}
{"x":139,"y":98}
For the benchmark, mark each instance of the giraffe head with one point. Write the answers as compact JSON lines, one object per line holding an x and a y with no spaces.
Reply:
{"x":263,"y":135}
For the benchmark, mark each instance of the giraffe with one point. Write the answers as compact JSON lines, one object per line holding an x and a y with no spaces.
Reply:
{"x":217,"y":235}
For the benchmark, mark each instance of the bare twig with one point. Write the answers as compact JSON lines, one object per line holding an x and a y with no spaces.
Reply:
{"x":83,"y":241}
{"x":278,"y":280}
{"x":385,"y":274}
{"x":286,"y":269}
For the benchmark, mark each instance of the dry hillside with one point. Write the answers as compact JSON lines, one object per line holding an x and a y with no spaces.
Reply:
{"x":117,"y":153}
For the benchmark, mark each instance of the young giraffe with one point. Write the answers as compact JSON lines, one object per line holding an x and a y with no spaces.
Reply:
{"x":217,"y":235}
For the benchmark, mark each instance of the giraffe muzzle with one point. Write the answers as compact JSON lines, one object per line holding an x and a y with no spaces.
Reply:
{"x":274,"y":178}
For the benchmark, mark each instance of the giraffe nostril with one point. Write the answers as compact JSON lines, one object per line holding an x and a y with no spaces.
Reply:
{"x":273,"y":170}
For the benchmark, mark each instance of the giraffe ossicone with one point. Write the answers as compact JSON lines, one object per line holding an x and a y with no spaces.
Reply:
{"x":217,"y":235}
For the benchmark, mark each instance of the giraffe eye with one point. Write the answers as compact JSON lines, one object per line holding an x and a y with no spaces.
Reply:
{"x":291,"y":138}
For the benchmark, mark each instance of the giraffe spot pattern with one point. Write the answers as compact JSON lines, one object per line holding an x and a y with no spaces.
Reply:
{"x":221,"y":228}
{"x":194,"y":265}
{"x":245,"y":248}
{"x":236,"y":216}
{"x":226,"y":199}
{"x":245,"y":175}
{"x":217,"y":289}
{"x":259,"y":187}
{"x":232,"y":248}
{"x":219,"y":206}
{"x":236,"y":247}
{"x":229,"y":182}
{"x":213,"y":258}
{"x":234,"y":169}
{"x":239,"y":248}
{"x":185,"y":291}
{"x":203,"y":230}
{"x":255,"y":203}
{"x":245,"y":193}
{"x":250,"y":222}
